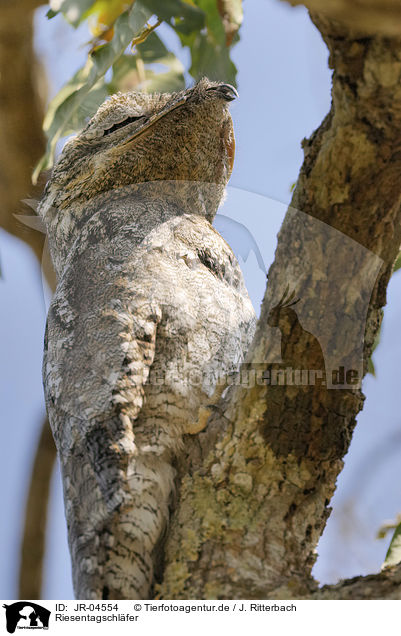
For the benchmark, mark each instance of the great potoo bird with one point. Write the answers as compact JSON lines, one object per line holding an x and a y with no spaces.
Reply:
{"x":150,"y":314}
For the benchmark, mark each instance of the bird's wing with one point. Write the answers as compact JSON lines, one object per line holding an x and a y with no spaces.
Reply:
{"x":100,"y":345}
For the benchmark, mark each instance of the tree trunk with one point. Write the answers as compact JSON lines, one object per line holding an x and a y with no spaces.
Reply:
{"x":22,"y":140}
{"x":257,"y":483}
{"x":33,"y":543}
{"x":22,"y":143}
{"x":370,"y":17}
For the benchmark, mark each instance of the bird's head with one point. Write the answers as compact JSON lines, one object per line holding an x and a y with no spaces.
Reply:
{"x":138,"y":138}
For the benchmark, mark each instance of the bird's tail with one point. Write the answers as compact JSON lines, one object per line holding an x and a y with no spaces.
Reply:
{"x":119,"y":493}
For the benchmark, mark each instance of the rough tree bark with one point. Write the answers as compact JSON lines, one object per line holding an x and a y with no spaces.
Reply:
{"x":257,"y":483}
{"x":22,"y":143}
{"x":368,"y":16}
{"x":33,"y":543}
{"x":21,"y":114}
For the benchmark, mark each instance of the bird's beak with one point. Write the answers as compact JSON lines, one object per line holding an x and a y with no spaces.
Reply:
{"x":226,"y":91}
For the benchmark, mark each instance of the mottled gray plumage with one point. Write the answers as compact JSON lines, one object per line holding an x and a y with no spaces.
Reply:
{"x":150,"y":312}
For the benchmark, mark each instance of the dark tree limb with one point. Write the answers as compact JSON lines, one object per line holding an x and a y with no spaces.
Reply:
{"x":367,"y":16}
{"x":22,"y":143}
{"x":386,"y":585}
{"x":22,"y":140}
{"x":33,"y":544}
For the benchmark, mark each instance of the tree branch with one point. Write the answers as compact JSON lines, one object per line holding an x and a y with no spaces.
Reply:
{"x":21,"y":113}
{"x":33,"y":544}
{"x":22,"y":6}
{"x":257,"y":483}
{"x":386,"y":585}
{"x":366,"y":16}
{"x":22,"y":143}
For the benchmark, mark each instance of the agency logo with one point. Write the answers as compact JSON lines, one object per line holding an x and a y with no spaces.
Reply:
{"x":26,"y":615}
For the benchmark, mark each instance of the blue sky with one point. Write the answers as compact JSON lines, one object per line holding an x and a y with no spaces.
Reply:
{"x":284,"y":87}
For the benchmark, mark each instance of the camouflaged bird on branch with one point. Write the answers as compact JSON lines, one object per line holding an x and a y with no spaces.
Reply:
{"x":150,"y":314}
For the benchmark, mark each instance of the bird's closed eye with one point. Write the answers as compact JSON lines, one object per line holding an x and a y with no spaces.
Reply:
{"x":121,"y":124}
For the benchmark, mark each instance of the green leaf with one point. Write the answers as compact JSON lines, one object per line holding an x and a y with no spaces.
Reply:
{"x":210,"y":55}
{"x":67,"y":110}
{"x":178,"y":13}
{"x":152,"y":49}
{"x":75,"y":83}
{"x":393,"y":555}
{"x":213,"y":21}
{"x":231,"y":14}
{"x":171,"y":80}
{"x":106,"y":13}
{"x":122,"y":69}
{"x":74,"y":11}
{"x":211,"y":60}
